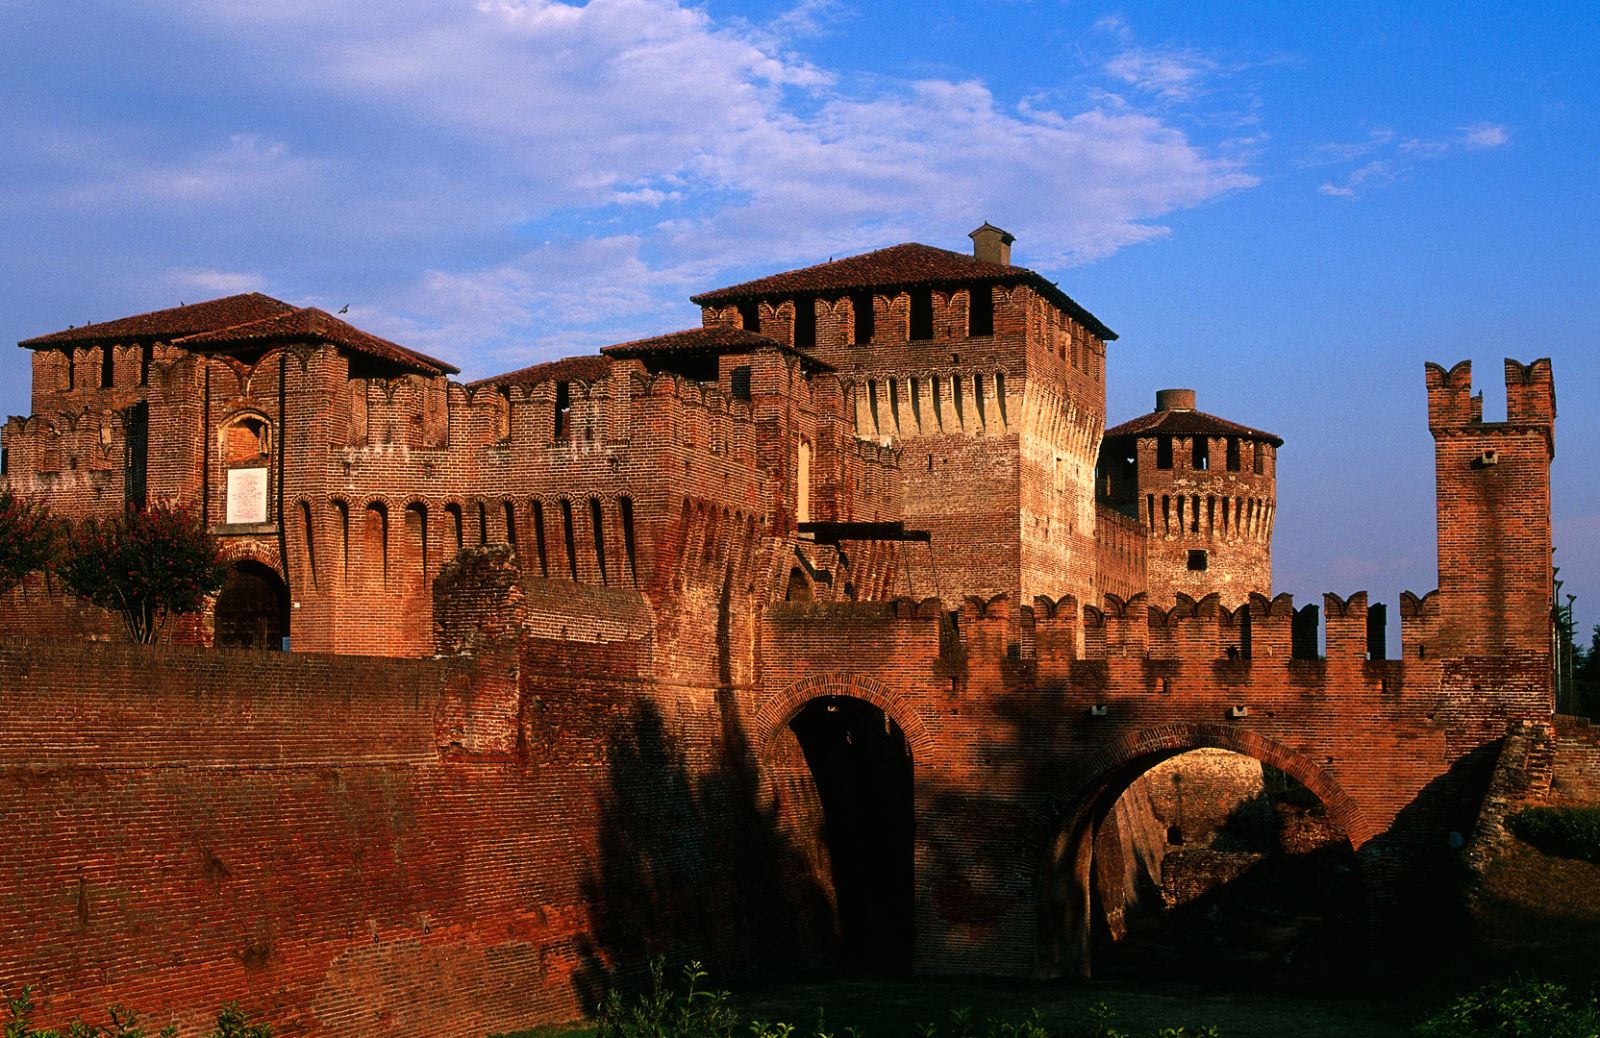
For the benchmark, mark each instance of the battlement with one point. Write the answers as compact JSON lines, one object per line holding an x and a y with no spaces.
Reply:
{"x":1453,"y":407}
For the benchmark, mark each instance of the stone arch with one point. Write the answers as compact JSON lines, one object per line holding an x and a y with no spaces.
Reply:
{"x":775,"y":714}
{"x":1062,"y":844}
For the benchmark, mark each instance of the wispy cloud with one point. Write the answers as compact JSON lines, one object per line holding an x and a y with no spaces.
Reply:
{"x":1385,"y":156}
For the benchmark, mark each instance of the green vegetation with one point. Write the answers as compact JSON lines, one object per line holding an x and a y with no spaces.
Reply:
{"x":700,"y":1012}
{"x":1570,"y":832}
{"x":231,"y":1023}
{"x":144,"y":565}
{"x":29,"y":538}
{"x":1523,"y":1007}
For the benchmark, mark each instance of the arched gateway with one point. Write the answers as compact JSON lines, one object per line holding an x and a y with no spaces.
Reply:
{"x":857,"y":744}
{"x":1067,"y":839}
{"x":252,"y":609}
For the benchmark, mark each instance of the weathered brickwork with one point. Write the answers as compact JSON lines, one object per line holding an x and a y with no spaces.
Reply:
{"x":697,"y":606}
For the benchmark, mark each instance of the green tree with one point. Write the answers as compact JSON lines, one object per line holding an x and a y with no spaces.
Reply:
{"x":146,"y":566}
{"x":1586,"y":675}
{"x":29,"y":538}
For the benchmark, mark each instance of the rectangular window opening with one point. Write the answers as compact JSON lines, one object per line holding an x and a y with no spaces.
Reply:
{"x":805,"y":323}
{"x":1200,"y":454}
{"x":563,"y":410}
{"x":980,"y":310}
{"x":739,"y":382}
{"x":750,"y":315}
{"x":147,"y":356}
{"x":921,"y":314}
{"x":1233,"y":454}
{"x":107,"y":369}
{"x":1163,"y":452}
{"x":861,"y":307}
{"x":1261,"y":458}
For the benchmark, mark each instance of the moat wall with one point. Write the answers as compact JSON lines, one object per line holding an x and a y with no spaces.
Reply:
{"x":342,"y":845}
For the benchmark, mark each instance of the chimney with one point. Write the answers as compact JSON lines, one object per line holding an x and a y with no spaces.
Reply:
{"x":1174,"y":400}
{"x":991,"y":245}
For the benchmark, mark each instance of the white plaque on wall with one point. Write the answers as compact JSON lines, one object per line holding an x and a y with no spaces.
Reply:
{"x":247,"y":495}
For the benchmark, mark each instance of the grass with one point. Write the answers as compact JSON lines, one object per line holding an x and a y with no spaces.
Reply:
{"x":893,"y":1008}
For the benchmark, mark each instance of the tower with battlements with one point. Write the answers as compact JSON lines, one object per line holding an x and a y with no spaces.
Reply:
{"x":1203,"y":490}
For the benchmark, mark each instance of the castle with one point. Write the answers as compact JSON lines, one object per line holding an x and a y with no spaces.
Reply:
{"x":778,"y":445}
{"x":831,"y":630}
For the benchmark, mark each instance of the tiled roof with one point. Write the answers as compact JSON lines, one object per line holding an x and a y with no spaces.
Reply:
{"x":709,"y":342}
{"x":165,"y":325}
{"x":1183,"y":422}
{"x":309,"y":324}
{"x":901,"y":266}
{"x":567,"y":369}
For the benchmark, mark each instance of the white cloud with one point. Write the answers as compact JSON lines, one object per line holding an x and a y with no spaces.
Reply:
{"x":1397,"y":155}
{"x":661,"y":149}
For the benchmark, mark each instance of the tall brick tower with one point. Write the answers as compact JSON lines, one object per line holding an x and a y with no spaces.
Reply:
{"x":988,"y":379}
{"x":1204,"y":489}
{"x":1496,"y":590}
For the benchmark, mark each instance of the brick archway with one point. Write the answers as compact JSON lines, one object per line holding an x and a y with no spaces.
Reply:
{"x":775,"y":714}
{"x":1062,"y":844}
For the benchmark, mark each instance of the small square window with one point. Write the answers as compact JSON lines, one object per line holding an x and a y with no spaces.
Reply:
{"x":1197,"y":559}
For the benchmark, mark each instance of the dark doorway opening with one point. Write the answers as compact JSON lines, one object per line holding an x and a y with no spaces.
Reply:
{"x":862,"y":767}
{"x":252,"y":609}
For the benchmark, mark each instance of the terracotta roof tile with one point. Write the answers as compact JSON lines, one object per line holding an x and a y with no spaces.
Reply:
{"x":709,"y":342}
{"x":567,"y":369}
{"x":901,"y":266}
{"x":165,"y":325}
{"x":309,"y":324}
{"x":1183,"y":422}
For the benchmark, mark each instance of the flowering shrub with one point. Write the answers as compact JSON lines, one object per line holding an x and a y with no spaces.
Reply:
{"x":144,"y":565}
{"x":29,"y":538}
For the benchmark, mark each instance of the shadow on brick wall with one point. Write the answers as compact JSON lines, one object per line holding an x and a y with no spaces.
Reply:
{"x":691,"y":863}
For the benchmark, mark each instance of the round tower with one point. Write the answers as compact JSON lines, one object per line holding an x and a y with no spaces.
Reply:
{"x":1204,"y":489}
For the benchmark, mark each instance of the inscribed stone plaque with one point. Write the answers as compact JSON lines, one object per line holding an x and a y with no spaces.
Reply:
{"x":247,"y":495}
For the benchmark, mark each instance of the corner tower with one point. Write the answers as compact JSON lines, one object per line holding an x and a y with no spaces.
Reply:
{"x":1204,"y":490}
{"x":1496,"y":588}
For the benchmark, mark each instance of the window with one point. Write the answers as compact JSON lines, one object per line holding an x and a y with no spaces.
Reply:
{"x":739,"y":382}
{"x":980,"y":310}
{"x":107,"y":371}
{"x":861,"y":305}
{"x":750,"y":315}
{"x":805,"y":323}
{"x":1198,"y":560}
{"x":1261,"y":458}
{"x":1200,"y":454}
{"x":1233,"y":454}
{"x":1163,"y":452}
{"x":563,"y":422}
{"x":921,"y":314}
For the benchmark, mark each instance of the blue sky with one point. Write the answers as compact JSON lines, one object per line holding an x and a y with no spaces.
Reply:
{"x":1289,"y":207}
